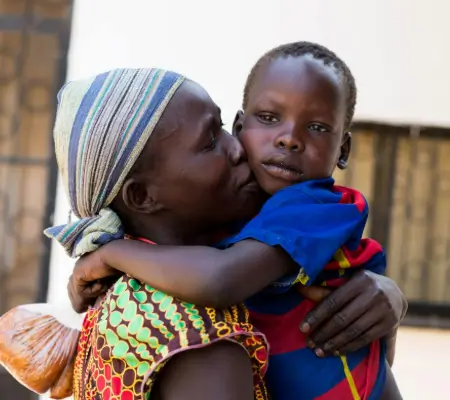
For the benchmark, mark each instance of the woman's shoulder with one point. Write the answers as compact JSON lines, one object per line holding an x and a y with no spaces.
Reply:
{"x":143,"y":328}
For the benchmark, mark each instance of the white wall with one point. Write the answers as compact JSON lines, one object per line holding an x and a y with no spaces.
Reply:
{"x":398,"y":51}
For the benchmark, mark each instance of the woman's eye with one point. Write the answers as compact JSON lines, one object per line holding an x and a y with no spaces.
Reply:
{"x":216,"y":131}
{"x":212,"y":142}
{"x":268,"y":119}
{"x":318,"y":128}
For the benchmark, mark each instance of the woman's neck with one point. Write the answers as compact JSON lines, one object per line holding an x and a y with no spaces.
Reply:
{"x":164,"y":234}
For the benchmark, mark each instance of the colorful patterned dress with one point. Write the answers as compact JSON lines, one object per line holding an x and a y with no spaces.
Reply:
{"x":136,"y":330}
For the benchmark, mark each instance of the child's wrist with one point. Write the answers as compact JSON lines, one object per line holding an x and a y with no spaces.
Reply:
{"x":110,"y":252}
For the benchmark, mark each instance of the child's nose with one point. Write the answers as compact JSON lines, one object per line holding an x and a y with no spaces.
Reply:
{"x":289,"y":142}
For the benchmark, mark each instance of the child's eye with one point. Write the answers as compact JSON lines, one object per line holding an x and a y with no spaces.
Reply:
{"x":318,"y":128}
{"x":268,"y":119}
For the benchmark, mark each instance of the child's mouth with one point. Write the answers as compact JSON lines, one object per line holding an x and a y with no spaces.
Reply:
{"x":282,"y":171}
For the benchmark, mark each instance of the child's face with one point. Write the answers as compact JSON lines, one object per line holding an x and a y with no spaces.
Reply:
{"x":293,"y":125}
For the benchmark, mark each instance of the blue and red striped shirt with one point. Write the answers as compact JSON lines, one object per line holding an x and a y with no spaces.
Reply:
{"x":320,"y":225}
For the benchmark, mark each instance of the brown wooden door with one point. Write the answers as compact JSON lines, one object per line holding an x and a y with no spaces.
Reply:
{"x":405,"y":174}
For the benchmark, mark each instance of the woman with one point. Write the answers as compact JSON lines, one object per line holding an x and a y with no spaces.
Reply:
{"x":133,"y":140}
{"x":161,"y":195}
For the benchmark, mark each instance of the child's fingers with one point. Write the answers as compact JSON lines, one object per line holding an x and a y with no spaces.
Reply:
{"x":101,"y":286}
{"x":314,"y":293}
{"x":95,"y":289}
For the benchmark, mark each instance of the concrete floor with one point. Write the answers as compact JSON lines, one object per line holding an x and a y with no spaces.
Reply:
{"x":422,"y":363}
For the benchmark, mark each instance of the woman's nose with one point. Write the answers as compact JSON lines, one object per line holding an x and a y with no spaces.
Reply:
{"x":236,"y":152}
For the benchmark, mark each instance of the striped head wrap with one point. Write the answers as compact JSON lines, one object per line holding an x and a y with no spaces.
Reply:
{"x":102,"y":125}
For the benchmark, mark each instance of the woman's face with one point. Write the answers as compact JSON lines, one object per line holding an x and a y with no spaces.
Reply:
{"x":200,"y":171}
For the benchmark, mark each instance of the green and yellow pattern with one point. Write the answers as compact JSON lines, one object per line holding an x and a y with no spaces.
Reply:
{"x":137,"y":329}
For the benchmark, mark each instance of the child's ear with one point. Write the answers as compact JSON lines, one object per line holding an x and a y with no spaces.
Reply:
{"x":346,"y":147}
{"x":238,"y":123}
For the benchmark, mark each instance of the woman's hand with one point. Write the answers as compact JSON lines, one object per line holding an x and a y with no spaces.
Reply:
{"x":90,"y":278}
{"x":366,"y":308}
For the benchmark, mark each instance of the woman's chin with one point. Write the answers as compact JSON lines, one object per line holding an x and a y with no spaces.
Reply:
{"x":250,"y":201}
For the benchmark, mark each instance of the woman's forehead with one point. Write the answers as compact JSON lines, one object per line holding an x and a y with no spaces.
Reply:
{"x":194,"y":97}
{"x":188,"y":117}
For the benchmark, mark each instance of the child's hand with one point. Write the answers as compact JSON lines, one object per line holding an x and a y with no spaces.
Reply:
{"x":314,"y":293}
{"x":90,"y":279}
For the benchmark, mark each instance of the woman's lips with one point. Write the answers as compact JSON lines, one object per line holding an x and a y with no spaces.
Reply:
{"x":249,"y":182}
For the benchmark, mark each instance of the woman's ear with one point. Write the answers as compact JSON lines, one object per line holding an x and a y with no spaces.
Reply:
{"x":139,"y":197}
{"x":238,"y":123}
{"x":346,"y":147}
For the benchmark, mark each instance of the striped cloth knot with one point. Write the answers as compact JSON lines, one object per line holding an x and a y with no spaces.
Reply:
{"x":102,"y":125}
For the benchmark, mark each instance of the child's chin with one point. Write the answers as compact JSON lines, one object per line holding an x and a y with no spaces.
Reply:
{"x":273,"y":185}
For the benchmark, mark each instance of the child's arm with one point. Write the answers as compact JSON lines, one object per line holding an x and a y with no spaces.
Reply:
{"x":309,"y":231}
{"x":200,"y":274}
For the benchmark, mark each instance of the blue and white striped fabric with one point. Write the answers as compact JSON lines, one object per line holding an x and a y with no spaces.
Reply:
{"x":102,"y":125}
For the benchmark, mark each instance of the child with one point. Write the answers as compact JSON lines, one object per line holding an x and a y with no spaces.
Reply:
{"x":299,"y":101}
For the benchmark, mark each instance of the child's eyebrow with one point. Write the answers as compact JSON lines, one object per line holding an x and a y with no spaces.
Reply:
{"x":270,"y":100}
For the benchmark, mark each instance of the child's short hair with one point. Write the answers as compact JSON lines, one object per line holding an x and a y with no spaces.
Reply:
{"x":318,"y":52}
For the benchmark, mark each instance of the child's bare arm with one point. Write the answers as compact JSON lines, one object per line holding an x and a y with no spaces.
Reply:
{"x":309,"y":232}
{"x":197,"y":274}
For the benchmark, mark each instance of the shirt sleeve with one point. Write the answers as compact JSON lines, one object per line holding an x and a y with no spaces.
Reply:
{"x":309,"y":223}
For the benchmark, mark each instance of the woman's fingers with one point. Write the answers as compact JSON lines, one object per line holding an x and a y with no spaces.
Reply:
{"x":352,"y":337}
{"x":360,"y":309}
{"x":362,"y":340}
{"x":330,"y":306}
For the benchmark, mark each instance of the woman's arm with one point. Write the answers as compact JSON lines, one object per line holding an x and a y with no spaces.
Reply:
{"x":391,"y":341}
{"x":221,"y":371}
{"x":391,"y":390}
